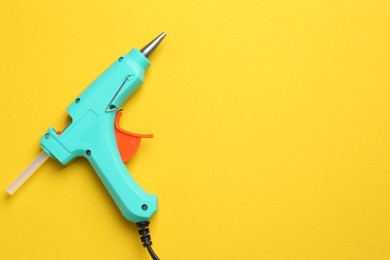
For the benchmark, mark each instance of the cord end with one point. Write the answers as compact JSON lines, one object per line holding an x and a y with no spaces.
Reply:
{"x":145,"y":238}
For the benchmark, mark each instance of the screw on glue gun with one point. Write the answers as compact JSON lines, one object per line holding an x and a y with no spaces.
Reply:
{"x":94,"y":133}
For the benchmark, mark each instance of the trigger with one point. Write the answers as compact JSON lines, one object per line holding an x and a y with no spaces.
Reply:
{"x":128,"y":143}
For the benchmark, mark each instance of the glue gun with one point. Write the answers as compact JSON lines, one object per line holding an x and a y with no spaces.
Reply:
{"x":94,"y":133}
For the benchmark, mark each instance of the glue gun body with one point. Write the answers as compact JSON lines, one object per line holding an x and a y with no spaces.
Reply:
{"x":92,"y":134}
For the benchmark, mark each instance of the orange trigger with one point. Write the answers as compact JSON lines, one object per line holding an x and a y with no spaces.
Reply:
{"x":127,"y":142}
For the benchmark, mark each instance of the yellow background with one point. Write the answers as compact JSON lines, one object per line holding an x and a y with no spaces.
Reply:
{"x":271,"y":123}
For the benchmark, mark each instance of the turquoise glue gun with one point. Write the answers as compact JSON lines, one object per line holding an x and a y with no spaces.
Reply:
{"x":95,"y":134}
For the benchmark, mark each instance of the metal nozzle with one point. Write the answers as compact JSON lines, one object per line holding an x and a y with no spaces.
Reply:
{"x":149,"y":48}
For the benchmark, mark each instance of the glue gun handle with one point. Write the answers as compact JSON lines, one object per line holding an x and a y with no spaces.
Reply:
{"x":134,"y":203}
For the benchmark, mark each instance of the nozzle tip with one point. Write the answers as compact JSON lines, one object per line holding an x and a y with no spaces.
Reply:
{"x":149,"y":48}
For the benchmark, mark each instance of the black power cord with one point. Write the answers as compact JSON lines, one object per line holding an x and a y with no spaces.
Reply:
{"x":145,"y":238}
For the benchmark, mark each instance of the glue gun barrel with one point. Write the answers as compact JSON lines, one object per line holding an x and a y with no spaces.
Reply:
{"x":149,"y":48}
